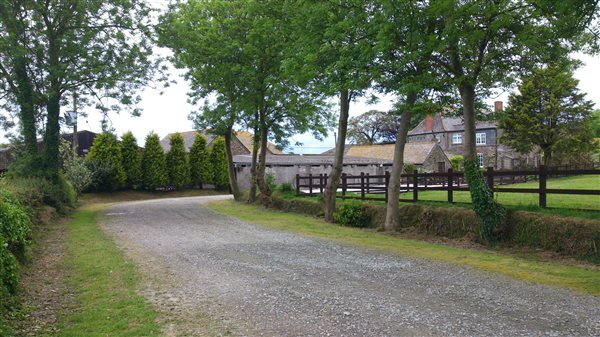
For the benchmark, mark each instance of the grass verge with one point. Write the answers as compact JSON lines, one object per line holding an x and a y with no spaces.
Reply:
{"x":584,"y":279}
{"x":103,"y":284}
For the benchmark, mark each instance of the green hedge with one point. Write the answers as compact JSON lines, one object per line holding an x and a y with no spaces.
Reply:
{"x":574,"y":237}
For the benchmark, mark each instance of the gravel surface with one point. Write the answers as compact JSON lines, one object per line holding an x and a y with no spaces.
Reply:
{"x":257,"y":281}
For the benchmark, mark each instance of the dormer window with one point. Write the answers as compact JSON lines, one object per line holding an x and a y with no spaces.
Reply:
{"x":457,"y":138}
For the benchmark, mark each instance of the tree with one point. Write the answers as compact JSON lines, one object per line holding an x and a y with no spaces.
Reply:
{"x":334,"y":54}
{"x":178,"y":165}
{"x":596,"y":123}
{"x":131,"y":160}
{"x":200,"y":167}
{"x":99,"y":50}
{"x":549,"y":112}
{"x":373,"y":127}
{"x":219,"y":162}
{"x":154,"y":167}
{"x":106,"y":152}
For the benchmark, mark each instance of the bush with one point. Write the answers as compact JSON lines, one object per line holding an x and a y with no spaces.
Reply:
{"x":75,"y":169}
{"x":271,"y":182}
{"x":131,"y":160}
{"x":178,"y":166}
{"x":14,"y":224}
{"x":154,"y":167}
{"x":200,"y":167}
{"x":106,"y":151}
{"x":219,"y":161}
{"x":286,"y":187}
{"x":9,"y":273}
{"x":353,"y":214}
{"x":457,"y":162}
{"x":32,"y":192}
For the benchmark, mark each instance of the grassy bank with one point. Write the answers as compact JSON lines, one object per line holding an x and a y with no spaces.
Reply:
{"x":103,"y":284}
{"x":585,"y":279}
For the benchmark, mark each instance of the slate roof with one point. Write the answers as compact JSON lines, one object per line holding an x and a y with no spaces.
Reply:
{"x":448,"y":124}
{"x":247,"y":139}
{"x":414,"y":153}
{"x":244,"y":137}
{"x":295,"y":159}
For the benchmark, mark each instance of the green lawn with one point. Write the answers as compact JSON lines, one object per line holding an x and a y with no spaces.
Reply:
{"x":103,"y":282}
{"x":585,"y":279}
{"x":526,"y":199}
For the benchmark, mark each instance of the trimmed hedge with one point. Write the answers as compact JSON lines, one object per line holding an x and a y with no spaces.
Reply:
{"x":575,"y":237}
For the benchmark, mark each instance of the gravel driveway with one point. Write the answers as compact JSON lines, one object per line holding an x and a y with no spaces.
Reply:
{"x":256,"y":281}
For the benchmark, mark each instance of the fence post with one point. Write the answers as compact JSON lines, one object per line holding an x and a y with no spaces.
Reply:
{"x":297,"y":184}
{"x":362,"y":185}
{"x":387,"y":184}
{"x":490,"y":178}
{"x":344,"y":183}
{"x":415,"y":185}
{"x":320,"y":183}
{"x":368,"y":179}
{"x":543,"y":177}
{"x":310,"y":185}
{"x":450,"y":186}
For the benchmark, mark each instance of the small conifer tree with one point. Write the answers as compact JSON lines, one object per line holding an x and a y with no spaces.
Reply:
{"x":200,"y":167}
{"x":154,"y":167}
{"x":106,"y":152}
{"x":178,"y":166}
{"x":219,"y":164}
{"x":131,"y":160}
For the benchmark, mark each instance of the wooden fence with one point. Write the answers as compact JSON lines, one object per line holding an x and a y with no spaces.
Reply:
{"x":368,"y":185}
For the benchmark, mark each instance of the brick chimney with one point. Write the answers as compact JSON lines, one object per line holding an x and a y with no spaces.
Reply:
{"x":428,"y":123}
{"x":498,"y":105}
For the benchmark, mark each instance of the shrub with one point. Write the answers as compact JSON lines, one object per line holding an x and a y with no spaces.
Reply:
{"x":33,"y":191}
{"x":131,"y":160}
{"x":178,"y":166}
{"x":154,"y":167}
{"x":353,"y":214}
{"x":9,"y":272}
{"x":457,"y":162}
{"x":75,"y":169}
{"x":286,"y":187}
{"x":14,"y":224}
{"x":271,"y":182}
{"x":200,"y":167}
{"x":219,"y":161}
{"x":106,"y":151}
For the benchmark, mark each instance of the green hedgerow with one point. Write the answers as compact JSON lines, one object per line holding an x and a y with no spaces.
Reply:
{"x":154,"y":167}
{"x":200,"y":167}
{"x":107,"y":152}
{"x":178,"y":166}
{"x":131,"y":160}
{"x":219,"y":162}
{"x":353,"y":214}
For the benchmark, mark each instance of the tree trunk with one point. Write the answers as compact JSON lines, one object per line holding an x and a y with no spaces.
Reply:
{"x":338,"y":160}
{"x":265,"y":193}
{"x":255,"y":147}
{"x":52,"y":134}
{"x":235,"y":189}
{"x":27,"y":110}
{"x":547,"y":156}
{"x":392,"y":214}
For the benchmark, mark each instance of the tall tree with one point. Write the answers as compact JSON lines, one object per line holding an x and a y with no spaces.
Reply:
{"x":99,"y":49}
{"x":548,"y":112}
{"x":106,"y":151}
{"x":154,"y":167}
{"x":131,"y":160}
{"x":334,"y":54}
{"x":200,"y":166}
{"x":178,"y":165}
{"x":219,"y":162}
{"x":234,"y":50}
{"x":373,"y":127}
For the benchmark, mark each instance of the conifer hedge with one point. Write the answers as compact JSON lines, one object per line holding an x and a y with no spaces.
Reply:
{"x":106,"y":151}
{"x":201,"y":170}
{"x":178,"y":166}
{"x":154,"y":167}
{"x":131,"y":160}
{"x":219,"y":163}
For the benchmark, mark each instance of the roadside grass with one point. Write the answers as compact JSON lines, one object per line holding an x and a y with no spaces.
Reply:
{"x":120,"y":196}
{"x":583,"y":279}
{"x":103,"y":283}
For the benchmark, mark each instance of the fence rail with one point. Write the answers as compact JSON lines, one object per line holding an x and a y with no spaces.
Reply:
{"x":368,"y":185}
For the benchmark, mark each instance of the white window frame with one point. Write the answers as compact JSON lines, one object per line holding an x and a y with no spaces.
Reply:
{"x":480,"y":138}
{"x":457,"y":138}
{"x":480,"y":159}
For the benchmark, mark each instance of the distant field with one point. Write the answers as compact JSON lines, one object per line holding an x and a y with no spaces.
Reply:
{"x":527,"y":199}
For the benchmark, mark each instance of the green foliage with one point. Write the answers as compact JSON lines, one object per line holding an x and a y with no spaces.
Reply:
{"x":200,"y":166}
{"x":106,"y":151}
{"x":286,"y":187}
{"x":178,"y":166}
{"x":75,"y":169}
{"x":131,"y":159}
{"x":457,"y":162}
{"x":154,"y":167}
{"x":373,"y":127}
{"x":489,"y":212}
{"x":33,"y":191}
{"x":549,"y":113}
{"x":271,"y":182}
{"x":353,"y":214}
{"x":14,"y":224}
{"x":409,"y":168}
{"x":9,"y":273}
{"x":219,"y":161}
{"x":596,"y":123}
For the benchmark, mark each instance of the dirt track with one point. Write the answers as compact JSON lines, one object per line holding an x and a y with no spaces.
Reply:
{"x":210,"y":274}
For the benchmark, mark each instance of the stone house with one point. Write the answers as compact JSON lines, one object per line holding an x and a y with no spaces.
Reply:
{"x":448,"y":132}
